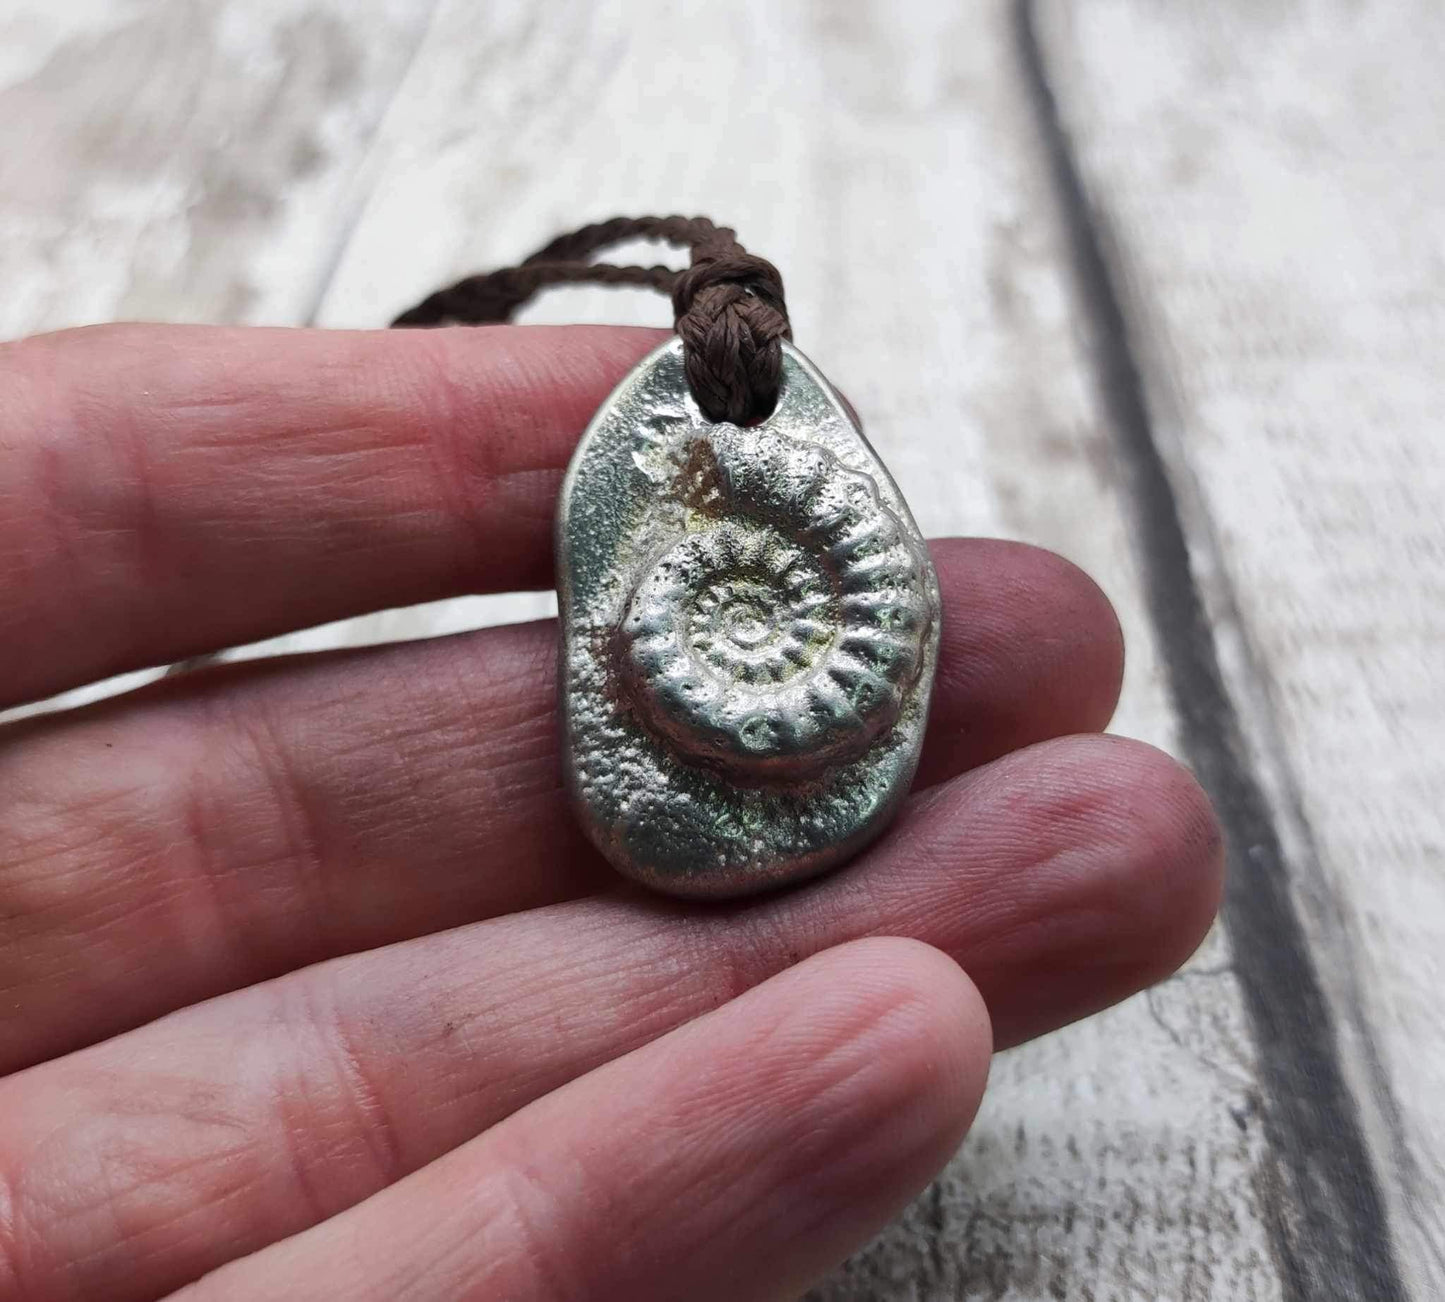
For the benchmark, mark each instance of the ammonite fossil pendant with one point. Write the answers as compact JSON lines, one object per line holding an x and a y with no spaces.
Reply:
{"x":749,"y":632}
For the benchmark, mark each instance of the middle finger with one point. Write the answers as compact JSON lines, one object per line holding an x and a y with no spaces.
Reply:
{"x":238,"y":824}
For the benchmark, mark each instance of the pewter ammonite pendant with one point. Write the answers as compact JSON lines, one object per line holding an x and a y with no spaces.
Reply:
{"x":749,"y":632}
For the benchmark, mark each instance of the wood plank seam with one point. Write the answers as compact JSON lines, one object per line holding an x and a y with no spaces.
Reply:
{"x":1327,"y":1223}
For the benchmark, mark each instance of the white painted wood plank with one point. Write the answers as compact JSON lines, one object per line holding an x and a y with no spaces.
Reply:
{"x":1274,"y":177}
{"x":885,"y":158}
{"x":173,"y":160}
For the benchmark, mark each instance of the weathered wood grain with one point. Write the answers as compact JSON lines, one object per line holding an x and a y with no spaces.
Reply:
{"x":1271,"y":180}
{"x":304,"y":160}
{"x":183,"y":161}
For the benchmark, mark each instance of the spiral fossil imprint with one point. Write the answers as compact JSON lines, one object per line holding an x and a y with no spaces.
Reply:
{"x":782,"y":638}
{"x":750,"y":626}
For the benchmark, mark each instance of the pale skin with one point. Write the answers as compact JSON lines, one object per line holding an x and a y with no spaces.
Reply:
{"x":310,"y":987}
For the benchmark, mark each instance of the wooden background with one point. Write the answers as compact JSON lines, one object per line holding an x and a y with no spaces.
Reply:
{"x":1193,"y":257}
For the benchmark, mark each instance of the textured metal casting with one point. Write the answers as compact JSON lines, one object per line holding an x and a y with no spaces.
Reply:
{"x":749,"y":634}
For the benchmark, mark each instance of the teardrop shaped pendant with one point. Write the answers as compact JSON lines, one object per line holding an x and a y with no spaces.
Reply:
{"x":750,"y":625}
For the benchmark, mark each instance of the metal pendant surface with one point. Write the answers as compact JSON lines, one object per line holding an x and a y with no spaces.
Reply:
{"x":749,"y":633}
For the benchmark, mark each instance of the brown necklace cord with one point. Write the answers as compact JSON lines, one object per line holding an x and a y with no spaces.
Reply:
{"x":728,"y":305}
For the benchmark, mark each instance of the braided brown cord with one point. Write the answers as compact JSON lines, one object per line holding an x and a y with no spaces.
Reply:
{"x":728,"y":305}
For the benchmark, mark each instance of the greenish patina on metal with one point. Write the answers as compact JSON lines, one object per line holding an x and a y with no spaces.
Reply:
{"x":750,"y":626}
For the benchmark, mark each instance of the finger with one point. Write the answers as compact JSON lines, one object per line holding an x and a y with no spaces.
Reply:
{"x":1031,"y":649}
{"x":182,"y":488}
{"x":236,"y":825}
{"x":736,"y":1158}
{"x":1062,"y":877}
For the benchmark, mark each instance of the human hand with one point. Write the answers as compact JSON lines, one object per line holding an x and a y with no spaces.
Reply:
{"x":307,"y":978}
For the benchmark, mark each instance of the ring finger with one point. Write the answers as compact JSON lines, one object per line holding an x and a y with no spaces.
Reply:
{"x":1061,"y":877}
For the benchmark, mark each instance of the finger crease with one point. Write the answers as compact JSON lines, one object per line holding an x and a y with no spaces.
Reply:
{"x":375,"y":1123}
{"x":454,"y":486}
{"x":11,"y":1240}
{"x":298,"y":821}
{"x":527,"y":1199}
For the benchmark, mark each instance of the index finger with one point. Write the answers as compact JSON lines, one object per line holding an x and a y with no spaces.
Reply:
{"x":168,"y":490}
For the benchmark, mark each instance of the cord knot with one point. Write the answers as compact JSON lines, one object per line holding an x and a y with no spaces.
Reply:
{"x":728,"y":305}
{"x":731,"y":316}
